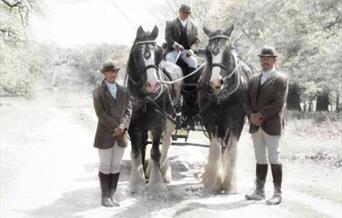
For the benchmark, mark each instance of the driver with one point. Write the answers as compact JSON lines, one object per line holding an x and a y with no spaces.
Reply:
{"x":181,"y":36}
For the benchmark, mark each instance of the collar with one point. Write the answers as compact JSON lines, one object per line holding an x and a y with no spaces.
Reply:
{"x":110,"y":85}
{"x":104,"y":85}
{"x":183,"y":22}
{"x":269,"y":72}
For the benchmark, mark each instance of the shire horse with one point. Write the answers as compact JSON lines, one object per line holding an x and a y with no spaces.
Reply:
{"x":222,"y":88}
{"x":153,"y":110}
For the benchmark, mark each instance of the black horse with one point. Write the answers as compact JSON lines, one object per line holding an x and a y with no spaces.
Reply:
{"x":154,"y":109}
{"x":222,"y":87}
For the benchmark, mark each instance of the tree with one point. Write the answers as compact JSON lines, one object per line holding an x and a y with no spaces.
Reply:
{"x":307,"y":36}
{"x":19,"y":68}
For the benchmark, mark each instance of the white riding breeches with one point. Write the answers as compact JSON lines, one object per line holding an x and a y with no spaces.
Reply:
{"x":191,"y":61}
{"x":263,"y":144}
{"x":110,"y":159}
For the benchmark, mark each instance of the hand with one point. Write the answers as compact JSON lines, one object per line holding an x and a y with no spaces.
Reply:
{"x":178,"y":46}
{"x":256,"y":119}
{"x":117,"y":131}
{"x":189,"y":53}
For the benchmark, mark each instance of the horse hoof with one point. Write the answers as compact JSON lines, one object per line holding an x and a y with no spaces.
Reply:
{"x":208,"y":191}
{"x":167,"y":180}
{"x":136,"y":189}
{"x":157,"y":188}
{"x":231,"y":192}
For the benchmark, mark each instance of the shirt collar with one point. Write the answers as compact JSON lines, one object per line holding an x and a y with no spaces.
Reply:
{"x":110,"y":85}
{"x":183,"y":22}
{"x":269,"y":72}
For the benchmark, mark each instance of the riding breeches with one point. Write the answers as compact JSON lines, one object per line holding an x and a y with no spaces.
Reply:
{"x":110,"y":159}
{"x":263,"y":144}
{"x":191,"y":61}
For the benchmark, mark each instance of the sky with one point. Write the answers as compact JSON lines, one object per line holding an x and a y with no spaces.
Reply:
{"x":75,"y":22}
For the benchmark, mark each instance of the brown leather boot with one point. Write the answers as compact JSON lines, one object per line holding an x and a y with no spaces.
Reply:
{"x":277,"y":174}
{"x":114,"y":178}
{"x":104,"y":184}
{"x":259,"y":193}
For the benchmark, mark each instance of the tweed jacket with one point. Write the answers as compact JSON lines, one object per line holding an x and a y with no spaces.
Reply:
{"x":270,"y":102}
{"x":173,"y":32}
{"x":111,"y":113}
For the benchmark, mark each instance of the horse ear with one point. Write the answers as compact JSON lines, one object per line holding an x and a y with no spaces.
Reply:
{"x":140,"y":31}
{"x":229,"y":30}
{"x":155,"y":32}
{"x":206,"y":31}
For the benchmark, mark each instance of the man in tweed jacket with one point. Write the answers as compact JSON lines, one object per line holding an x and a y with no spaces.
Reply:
{"x":181,"y":34}
{"x":113,"y":108}
{"x":265,"y":103}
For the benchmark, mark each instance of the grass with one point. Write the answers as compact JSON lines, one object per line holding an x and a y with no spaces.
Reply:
{"x":309,"y":139}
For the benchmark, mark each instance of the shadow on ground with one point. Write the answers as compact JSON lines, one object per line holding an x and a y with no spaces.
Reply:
{"x":76,"y":202}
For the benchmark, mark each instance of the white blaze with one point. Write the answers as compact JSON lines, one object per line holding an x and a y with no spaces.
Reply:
{"x":217,"y":59}
{"x":151,"y":72}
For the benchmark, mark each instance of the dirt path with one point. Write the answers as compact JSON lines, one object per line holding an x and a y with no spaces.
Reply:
{"x":49,"y":168}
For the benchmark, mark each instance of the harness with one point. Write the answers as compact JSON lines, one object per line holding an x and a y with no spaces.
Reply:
{"x":225,"y":68}
{"x":153,"y":100}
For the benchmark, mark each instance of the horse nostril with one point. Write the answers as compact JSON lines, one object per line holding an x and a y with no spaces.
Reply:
{"x":148,"y":84}
{"x":221,"y":81}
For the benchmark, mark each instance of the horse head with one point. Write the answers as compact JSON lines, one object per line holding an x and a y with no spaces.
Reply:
{"x":144,"y":59}
{"x":221,"y":58}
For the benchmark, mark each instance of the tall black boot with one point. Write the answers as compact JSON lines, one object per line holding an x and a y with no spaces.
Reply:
{"x":104,"y":184}
{"x":259,"y":193}
{"x":277,"y":174}
{"x":114,"y":178}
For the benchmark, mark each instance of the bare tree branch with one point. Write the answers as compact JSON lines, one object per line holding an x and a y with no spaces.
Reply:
{"x":16,"y":4}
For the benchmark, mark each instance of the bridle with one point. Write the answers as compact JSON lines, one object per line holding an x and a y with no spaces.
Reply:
{"x":225,"y":68}
{"x":154,"y":66}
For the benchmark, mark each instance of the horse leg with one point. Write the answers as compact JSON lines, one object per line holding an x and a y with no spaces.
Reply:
{"x":155,"y":183}
{"x":164,"y":161}
{"x":143,"y":154}
{"x":136,"y":179}
{"x":229,"y":164}
{"x":213,"y":170}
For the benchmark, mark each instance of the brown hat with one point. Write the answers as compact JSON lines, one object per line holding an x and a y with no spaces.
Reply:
{"x":267,"y":51}
{"x":109,"y":66}
{"x":185,"y":8}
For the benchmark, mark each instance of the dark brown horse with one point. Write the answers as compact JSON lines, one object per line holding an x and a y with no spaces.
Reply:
{"x":153,"y":110}
{"x":222,"y":88}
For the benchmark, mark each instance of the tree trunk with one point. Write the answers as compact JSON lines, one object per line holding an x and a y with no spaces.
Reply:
{"x":338,"y":107}
{"x":293,"y":98}
{"x":323,"y":102}
{"x":310,"y":105}
{"x":305,"y":106}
